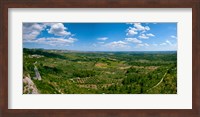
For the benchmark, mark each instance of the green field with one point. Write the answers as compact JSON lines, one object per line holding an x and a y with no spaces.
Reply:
{"x":76,"y":72}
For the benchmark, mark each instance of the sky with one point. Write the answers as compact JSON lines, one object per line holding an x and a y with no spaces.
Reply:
{"x":101,"y":36}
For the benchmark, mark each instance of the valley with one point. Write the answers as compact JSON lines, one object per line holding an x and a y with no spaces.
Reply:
{"x":95,"y":72}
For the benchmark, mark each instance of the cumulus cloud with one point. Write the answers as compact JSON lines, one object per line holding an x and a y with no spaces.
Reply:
{"x":102,"y":38}
{"x":146,"y":36}
{"x":59,"y":29}
{"x":32,"y":30}
{"x":139,"y":27}
{"x":143,"y":36}
{"x":136,"y":28}
{"x":117,"y":44}
{"x":131,"y":31}
{"x":133,"y":40}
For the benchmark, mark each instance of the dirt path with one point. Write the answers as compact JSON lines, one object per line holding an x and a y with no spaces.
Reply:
{"x":159,"y":82}
{"x":37,"y":74}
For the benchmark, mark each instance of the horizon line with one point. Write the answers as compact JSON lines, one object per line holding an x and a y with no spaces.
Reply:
{"x":105,"y":50}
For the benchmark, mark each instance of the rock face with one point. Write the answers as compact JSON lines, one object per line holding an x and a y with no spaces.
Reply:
{"x":29,"y":86}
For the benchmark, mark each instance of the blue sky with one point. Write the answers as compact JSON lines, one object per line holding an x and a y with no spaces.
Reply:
{"x":101,"y":36}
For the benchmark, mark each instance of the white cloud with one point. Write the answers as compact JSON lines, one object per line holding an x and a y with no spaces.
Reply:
{"x":168,"y":42}
{"x":146,"y":36}
{"x":117,"y":44}
{"x":133,"y":40}
{"x":59,"y":29}
{"x":54,"y":41}
{"x":172,"y":36}
{"x":143,"y":36}
{"x":139,"y":27}
{"x":131,"y":31}
{"x":150,"y":35}
{"x":32,"y":30}
{"x":168,"y":45}
{"x":102,"y":38}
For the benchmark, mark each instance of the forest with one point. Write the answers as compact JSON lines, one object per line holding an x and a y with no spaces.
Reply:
{"x":98,"y":72}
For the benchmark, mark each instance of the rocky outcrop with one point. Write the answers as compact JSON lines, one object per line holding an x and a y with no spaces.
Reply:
{"x":29,"y":86}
